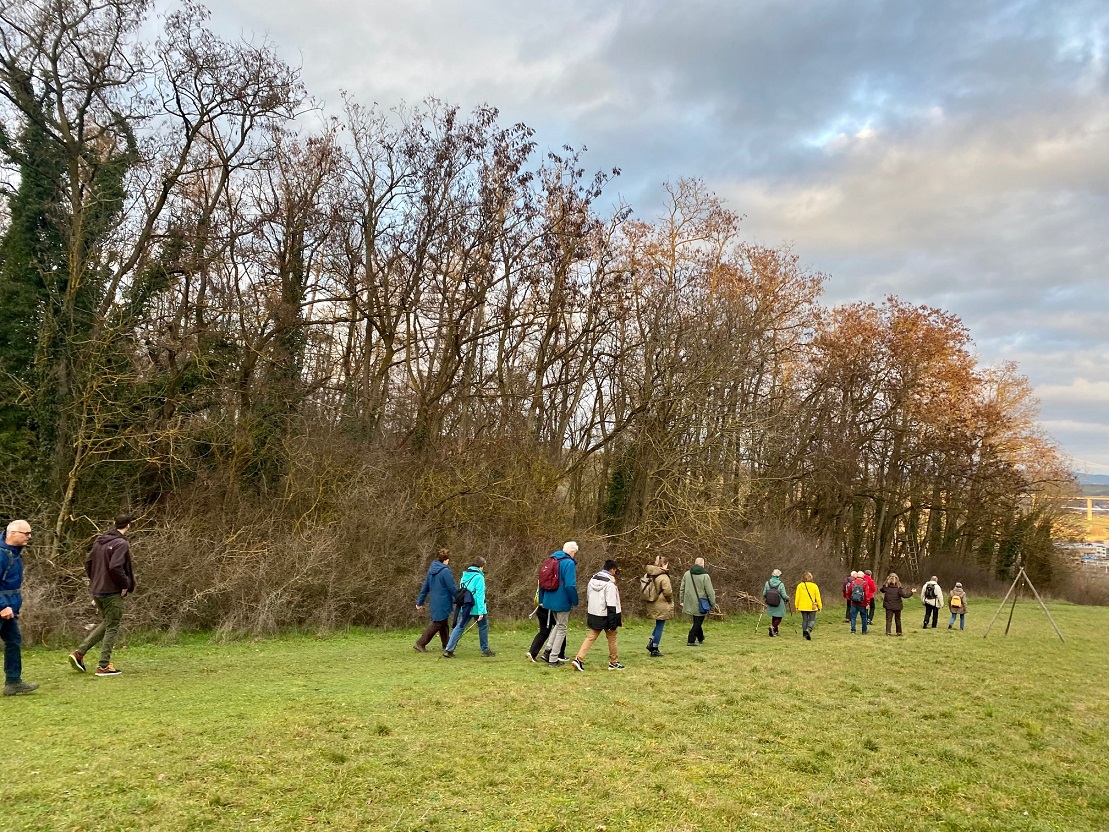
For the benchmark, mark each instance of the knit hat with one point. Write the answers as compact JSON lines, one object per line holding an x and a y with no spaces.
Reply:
{"x":958,"y":585}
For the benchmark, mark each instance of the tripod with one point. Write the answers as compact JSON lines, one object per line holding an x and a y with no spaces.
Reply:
{"x":1022,"y":578}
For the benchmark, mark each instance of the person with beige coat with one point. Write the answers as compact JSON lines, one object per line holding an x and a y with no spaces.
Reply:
{"x":658,"y":592}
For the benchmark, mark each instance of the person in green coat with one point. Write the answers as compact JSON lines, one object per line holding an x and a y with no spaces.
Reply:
{"x":696,"y":589}
{"x":775,"y":590}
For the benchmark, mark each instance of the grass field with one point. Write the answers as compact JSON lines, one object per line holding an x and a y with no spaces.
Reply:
{"x":938,"y":730}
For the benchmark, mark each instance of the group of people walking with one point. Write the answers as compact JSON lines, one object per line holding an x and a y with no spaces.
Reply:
{"x":861,"y":593}
{"x":555,"y":596}
{"x":111,"y":579}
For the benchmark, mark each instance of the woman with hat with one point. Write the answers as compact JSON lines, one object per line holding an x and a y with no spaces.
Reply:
{"x":957,"y":605}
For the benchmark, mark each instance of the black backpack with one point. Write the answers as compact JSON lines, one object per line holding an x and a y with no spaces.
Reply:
{"x":463,"y":597}
{"x":930,"y":592}
{"x":858,"y":593}
{"x":773,"y":596}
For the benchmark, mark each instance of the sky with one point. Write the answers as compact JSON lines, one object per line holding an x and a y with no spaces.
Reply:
{"x":955,"y":154}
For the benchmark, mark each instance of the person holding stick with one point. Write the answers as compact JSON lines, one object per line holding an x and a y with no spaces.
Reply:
{"x":776,"y":598}
{"x":471,"y":603}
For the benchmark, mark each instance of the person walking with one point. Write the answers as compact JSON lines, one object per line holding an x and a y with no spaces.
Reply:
{"x":546,"y":621}
{"x":111,"y":580}
{"x":16,"y":536}
{"x":858,"y":594}
{"x":847,"y":595}
{"x":931,"y":594}
{"x":472,"y":586}
{"x":561,"y":598}
{"x":893,"y":600}
{"x":697,"y":599}
{"x":957,"y":605}
{"x":872,"y":591}
{"x":806,"y":599}
{"x":776,"y":598}
{"x":603,"y":614}
{"x":658,"y":592}
{"x":438,"y":590}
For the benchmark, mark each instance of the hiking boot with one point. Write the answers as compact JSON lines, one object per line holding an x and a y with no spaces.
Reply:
{"x":770,"y":631}
{"x":77,"y":660}
{"x":615,"y":666}
{"x":808,"y":635}
{"x":488,"y":653}
{"x":448,"y":654}
{"x":656,"y":653}
{"x":419,"y":648}
{"x":108,"y":670}
{"x":19,"y":688}
{"x":578,"y":664}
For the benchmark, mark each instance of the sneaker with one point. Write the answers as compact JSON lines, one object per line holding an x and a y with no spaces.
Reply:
{"x":563,"y":660}
{"x":808,"y":635}
{"x":108,"y":671}
{"x":448,"y":654}
{"x":19,"y":688}
{"x":77,"y":660}
{"x":615,"y":666}
{"x":691,"y":644}
{"x":419,"y":648}
{"x":488,"y":653}
{"x":529,"y":657}
{"x":578,"y":664}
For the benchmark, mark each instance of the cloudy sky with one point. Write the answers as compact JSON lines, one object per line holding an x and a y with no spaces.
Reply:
{"x":955,"y":154}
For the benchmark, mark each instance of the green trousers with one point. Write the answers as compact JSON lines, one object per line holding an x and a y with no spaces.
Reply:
{"x":110,"y":608}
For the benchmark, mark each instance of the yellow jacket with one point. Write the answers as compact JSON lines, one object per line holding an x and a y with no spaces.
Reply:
{"x":806,"y":598}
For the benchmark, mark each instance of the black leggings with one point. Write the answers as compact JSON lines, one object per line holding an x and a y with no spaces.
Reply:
{"x":546,"y":620}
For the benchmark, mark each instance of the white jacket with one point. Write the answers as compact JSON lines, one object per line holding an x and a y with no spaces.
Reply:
{"x":601,"y":593}
{"x":932,"y":602}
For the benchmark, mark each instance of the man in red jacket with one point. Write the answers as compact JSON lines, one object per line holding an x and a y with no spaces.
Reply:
{"x":871,"y":591}
{"x":858,"y":596}
{"x":111,"y":579}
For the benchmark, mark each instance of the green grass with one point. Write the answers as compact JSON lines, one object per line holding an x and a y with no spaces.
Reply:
{"x":938,"y":730}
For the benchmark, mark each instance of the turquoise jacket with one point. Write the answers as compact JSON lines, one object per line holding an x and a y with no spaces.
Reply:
{"x":779,"y":610}
{"x":474,"y":580}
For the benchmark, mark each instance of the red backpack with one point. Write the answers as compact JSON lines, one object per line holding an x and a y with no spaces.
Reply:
{"x":548,"y":574}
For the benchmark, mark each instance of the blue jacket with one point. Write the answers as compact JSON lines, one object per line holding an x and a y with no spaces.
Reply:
{"x":565,"y":598}
{"x":11,"y":576}
{"x":439,"y":585}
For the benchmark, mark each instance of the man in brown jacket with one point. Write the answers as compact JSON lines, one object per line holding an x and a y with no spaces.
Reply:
{"x":111,"y":579}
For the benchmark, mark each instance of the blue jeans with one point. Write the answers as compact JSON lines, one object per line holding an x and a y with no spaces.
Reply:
{"x":855,"y":613}
{"x":962,"y":620}
{"x":482,"y":631}
{"x":13,"y":640}
{"x":656,"y":635}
